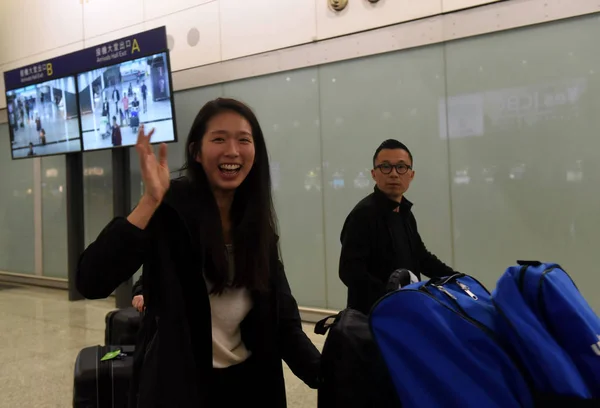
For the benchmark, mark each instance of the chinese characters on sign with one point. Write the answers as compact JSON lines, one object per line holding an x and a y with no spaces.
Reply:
{"x":34,"y":72}
{"x":112,"y":51}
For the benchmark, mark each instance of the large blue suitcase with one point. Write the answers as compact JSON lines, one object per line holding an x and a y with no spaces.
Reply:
{"x":553,"y":328}
{"x":439,"y":342}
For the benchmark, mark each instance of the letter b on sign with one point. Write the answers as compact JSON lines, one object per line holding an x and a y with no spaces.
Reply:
{"x":49,"y":70}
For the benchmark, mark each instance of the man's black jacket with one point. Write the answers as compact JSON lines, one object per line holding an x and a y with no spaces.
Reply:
{"x":370,"y":253}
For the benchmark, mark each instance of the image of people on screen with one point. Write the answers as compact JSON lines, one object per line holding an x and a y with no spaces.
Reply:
{"x":42,"y":137}
{"x":116,"y":133}
{"x":44,"y":117}
{"x":114,"y":101}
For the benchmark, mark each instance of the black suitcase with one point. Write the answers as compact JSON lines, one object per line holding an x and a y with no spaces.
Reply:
{"x":122,"y":327}
{"x":100,"y":384}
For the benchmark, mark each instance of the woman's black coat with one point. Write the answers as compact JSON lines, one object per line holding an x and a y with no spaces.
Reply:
{"x":173,"y":363}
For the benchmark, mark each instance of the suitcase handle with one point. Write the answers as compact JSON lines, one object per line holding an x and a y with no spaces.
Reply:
{"x":444,"y":280}
{"x":127,"y":349}
{"x":528,"y":263}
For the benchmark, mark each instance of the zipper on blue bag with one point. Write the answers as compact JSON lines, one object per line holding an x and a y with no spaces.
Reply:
{"x":445,"y":291}
{"x":462,"y":286}
{"x":466,"y":289}
{"x":454,"y":299}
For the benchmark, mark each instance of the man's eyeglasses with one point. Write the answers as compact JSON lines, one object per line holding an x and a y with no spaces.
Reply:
{"x":401,"y":168}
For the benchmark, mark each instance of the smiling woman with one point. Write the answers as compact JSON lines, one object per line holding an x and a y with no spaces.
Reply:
{"x":225,"y":135}
{"x":220,"y":315}
{"x":227,"y":153}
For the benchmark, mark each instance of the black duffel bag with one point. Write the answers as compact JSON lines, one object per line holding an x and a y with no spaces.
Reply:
{"x":353,"y":372}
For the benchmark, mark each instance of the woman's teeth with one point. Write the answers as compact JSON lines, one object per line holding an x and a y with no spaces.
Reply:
{"x":229,"y":168}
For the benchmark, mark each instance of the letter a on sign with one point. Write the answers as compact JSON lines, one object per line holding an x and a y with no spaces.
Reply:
{"x":135,"y":46}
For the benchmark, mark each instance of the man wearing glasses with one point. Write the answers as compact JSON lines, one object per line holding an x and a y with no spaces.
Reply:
{"x":380,"y":234}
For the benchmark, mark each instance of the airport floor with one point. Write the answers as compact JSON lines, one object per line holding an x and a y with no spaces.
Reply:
{"x":41,"y":333}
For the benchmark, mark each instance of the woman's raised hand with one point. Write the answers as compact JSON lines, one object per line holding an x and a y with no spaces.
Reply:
{"x":155,"y":172}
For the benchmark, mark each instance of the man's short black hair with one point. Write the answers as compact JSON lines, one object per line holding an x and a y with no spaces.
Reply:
{"x":392,"y":144}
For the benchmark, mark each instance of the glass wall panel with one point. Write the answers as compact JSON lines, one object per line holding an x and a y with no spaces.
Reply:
{"x":287,"y":106}
{"x":523,"y":127}
{"x":364,"y":102}
{"x":17,"y":243}
{"x":54,"y":217}
{"x":97,"y":192}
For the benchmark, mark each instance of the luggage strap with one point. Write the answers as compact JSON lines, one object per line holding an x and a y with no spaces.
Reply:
{"x":322,"y":326}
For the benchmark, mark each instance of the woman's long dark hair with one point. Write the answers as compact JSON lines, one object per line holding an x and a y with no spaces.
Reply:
{"x":253,"y":217}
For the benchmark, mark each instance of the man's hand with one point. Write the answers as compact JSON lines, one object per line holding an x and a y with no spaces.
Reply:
{"x":138,"y":302}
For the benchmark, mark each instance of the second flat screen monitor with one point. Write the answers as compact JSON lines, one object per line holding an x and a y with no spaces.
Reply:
{"x":115,"y":100}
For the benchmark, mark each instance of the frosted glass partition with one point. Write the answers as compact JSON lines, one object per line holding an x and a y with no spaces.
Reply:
{"x":97,"y":192}
{"x":54,"y":217}
{"x":17,"y":248}
{"x":287,"y":105}
{"x":524,"y":149}
{"x":364,"y":102}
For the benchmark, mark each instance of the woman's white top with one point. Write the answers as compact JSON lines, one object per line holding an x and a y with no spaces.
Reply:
{"x":228,"y":310}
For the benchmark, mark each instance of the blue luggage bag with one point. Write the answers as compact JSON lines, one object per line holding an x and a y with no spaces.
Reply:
{"x":553,"y":328}
{"x":440,"y":345}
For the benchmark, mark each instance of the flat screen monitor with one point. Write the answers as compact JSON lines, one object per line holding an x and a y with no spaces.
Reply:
{"x":115,"y":100}
{"x":44,"y":119}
